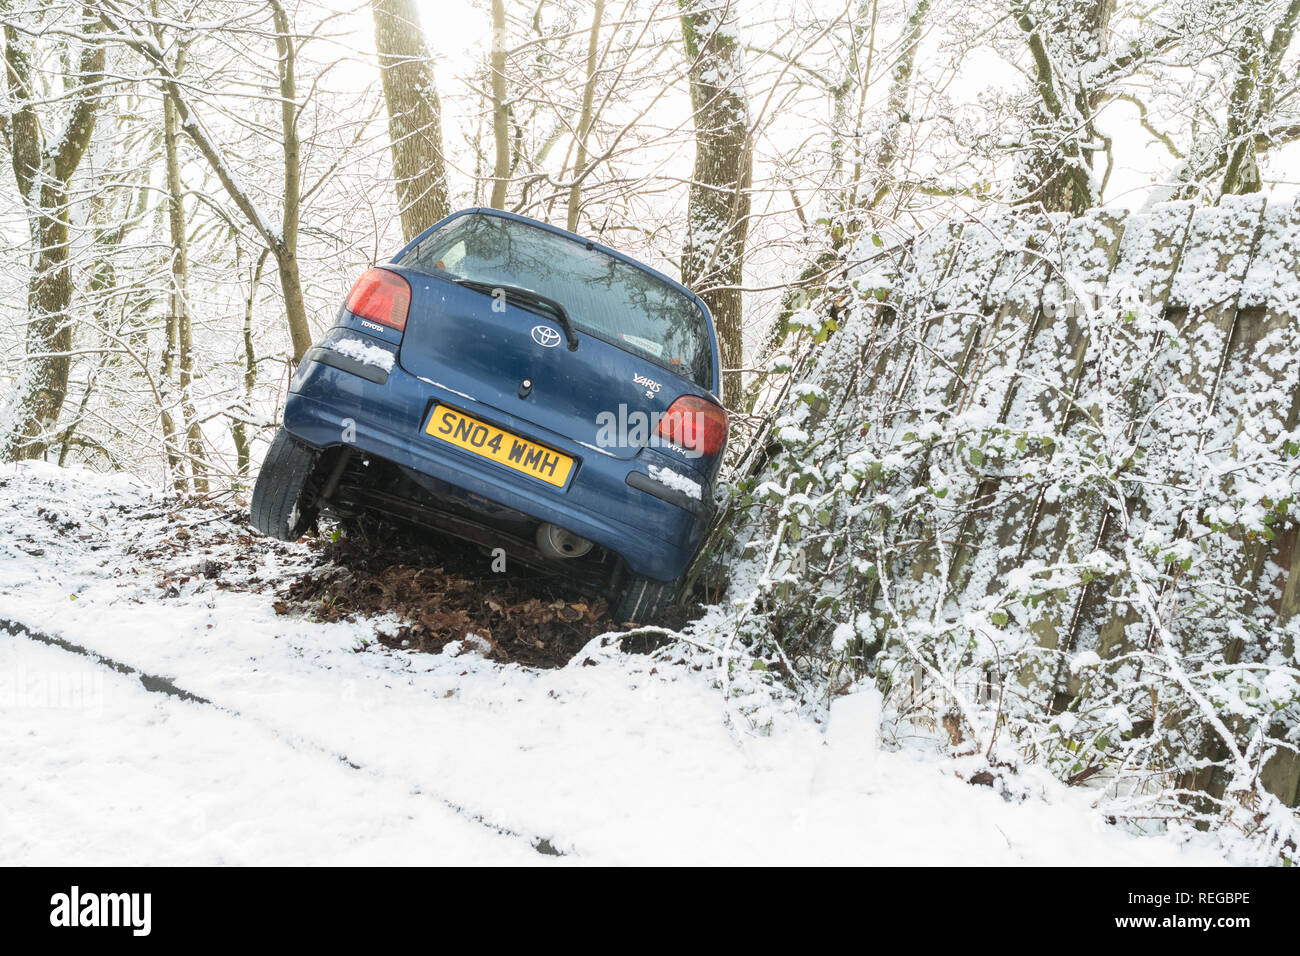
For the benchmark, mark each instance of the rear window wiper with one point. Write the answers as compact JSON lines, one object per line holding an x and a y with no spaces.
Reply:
{"x":528,"y":299}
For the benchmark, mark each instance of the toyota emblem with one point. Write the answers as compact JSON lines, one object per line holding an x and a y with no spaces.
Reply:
{"x":545,"y":336}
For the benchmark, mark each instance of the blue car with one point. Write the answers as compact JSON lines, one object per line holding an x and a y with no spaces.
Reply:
{"x":520,"y":387}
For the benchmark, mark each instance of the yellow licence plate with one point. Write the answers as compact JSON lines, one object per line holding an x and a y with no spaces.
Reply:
{"x":488,"y":441}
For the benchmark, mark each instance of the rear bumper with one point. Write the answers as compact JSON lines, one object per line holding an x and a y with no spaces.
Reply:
{"x":329,"y":406}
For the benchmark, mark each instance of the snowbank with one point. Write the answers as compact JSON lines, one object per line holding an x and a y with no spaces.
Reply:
{"x":315,"y":744}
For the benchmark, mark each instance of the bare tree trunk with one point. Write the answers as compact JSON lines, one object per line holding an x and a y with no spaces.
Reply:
{"x":500,"y":108}
{"x":286,"y":250}
{"x":171,"y":346}
{"x":713,"y":257}
{"x":42,"y":174}
{"x":856,"y":78}
{"x":282,"y":242}
{"x":585,"y":120}
{"x":49,"y":328}
{"x":1058,"y":173}
{"x":900,"y":89}
{"x":238,"y":431}
{"x":175,"y":464}
{"x":414,"y":115}
{"x":102,"y":286}
{"x":179,"y":322}
{"x":1259,"y":64}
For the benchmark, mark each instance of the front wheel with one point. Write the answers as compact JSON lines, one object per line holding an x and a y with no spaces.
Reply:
{"x":280,"y":505}
{"x":641,"y":599}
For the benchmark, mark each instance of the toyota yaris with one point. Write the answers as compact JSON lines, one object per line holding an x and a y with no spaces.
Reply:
{"x":520,"y":387}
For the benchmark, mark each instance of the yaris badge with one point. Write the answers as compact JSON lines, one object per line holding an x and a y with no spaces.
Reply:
{"x":545,"y":336}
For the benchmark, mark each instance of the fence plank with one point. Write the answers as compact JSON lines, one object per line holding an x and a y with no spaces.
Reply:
{"x":1038,"y":405}
{"x":1259,"y":404}
{"x":1019,"y":289}
{"x":1179,"y":396}
{"x":943,"y":360}
{"x":981,"y":394}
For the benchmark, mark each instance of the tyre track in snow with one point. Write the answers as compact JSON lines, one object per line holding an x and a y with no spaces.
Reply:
{"x":165,"y":686}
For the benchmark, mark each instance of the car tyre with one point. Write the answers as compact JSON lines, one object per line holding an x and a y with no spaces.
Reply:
{"x":642,"y":599}
{"x":282,"y":507}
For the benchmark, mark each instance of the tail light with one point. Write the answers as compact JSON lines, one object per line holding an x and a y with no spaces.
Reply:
{"x":381,"y":296}
{"x":696,"y":424}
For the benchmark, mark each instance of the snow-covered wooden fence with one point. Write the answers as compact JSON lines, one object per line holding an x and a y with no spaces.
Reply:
{"x":992,"y":356}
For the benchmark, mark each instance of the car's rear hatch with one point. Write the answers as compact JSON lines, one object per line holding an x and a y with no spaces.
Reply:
{"x":485,"y":348}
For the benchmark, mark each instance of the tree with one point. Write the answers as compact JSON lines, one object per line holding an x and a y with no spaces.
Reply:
{"x":1064,"y":37}
{"x":896,"y":111}
{"x":180,"y":325}
{"x":414,"y":115}
{"x":586,"y":117}
{"x":282,"y":240}
{"x":43,"y":170}
{"x":500,"y":107}
{"x":1259,"y":86}
{"x":713,"y":256}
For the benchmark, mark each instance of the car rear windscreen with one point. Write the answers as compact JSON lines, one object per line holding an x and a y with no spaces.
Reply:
{"x":603,"y":296}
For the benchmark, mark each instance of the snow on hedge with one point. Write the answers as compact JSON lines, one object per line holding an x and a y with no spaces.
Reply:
{"x":1039,"y":489}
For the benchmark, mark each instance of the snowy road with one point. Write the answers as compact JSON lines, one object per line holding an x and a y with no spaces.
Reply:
{"x":305,"y":742}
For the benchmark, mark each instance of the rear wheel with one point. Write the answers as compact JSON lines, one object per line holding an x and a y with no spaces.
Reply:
{"x":642,"y":599}
{"x":282,"y":506}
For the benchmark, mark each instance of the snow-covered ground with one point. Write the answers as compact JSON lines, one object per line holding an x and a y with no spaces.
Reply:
{"x":302,"y":742}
